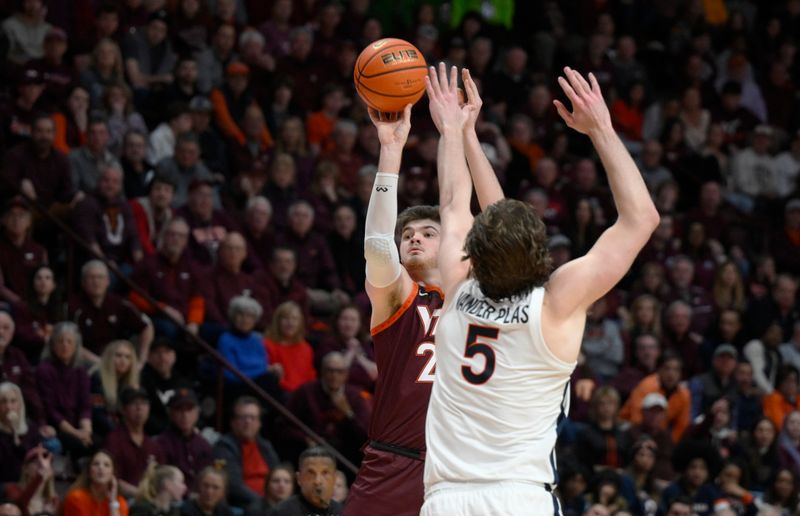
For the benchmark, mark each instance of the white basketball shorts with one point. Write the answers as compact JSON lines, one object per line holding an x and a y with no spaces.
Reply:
{"x":490,"y":499}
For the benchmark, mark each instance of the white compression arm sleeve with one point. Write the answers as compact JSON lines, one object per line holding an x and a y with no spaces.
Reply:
{"x":380,"y":250}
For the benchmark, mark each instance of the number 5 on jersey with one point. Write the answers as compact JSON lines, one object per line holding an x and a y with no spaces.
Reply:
{"x":475,"y":347}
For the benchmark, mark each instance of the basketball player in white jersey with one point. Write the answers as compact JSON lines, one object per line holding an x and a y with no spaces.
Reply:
{"x":510,"y":331}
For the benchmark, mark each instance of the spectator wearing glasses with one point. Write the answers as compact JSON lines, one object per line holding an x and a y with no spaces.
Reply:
{"x":248,"y":456}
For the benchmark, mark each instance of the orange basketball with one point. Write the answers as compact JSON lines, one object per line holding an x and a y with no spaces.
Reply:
{"x":389,"y":74}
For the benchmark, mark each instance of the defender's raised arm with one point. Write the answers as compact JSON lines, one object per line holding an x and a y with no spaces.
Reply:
{"x":577,"y":284}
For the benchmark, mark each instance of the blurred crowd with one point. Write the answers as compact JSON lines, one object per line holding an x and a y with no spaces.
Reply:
{"x":214,"y":153}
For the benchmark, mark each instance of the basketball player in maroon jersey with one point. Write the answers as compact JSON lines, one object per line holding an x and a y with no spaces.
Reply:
{"x":404,"y":292}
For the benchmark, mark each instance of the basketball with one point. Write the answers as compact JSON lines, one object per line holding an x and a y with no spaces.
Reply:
{"x":389,"y":74}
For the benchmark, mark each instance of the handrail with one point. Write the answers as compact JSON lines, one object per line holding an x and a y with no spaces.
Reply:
{"x":272,"y":402}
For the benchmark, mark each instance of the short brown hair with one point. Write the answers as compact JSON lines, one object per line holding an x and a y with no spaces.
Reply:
{"x":414,"y":213}
{"x":508,"y":248}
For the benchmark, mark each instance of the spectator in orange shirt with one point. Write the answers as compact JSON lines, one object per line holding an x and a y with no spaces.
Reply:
{"x":627,"y":114}
{"x":784,"y":399}
{"x":287,"y":347}
{"x":665,"y":381}
{"x":230,"y":102}
{"x":95,"y":491}
{"x":319,"y":125}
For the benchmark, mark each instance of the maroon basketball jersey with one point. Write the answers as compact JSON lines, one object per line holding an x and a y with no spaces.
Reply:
{"x":406,"y":366}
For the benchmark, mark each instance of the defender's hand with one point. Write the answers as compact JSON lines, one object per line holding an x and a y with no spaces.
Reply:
{"x":589,"y":111}
{"x":443,"y":95}
{"x":473,"y":100}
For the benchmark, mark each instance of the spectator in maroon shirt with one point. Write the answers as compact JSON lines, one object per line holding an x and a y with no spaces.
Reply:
{"x":585,"y":185}
{"x":105,"y":221}
{"x":104,"y":316}
{"x":663,"y":244}
{"x":181,"y":443}
{"x":151,"y":213}
{"x":679,"y":337}
{"x":44,"y":307}
{"x":347,"y":247}
{"x":57,"y":74}
{"x":228,"y":280}
{"x":208,"y":226}
{"x":282,"y":189}
{"x":64,"y":389}
{"x":781,"y":308}
{"x":19,"y":254}
{"x":315,"y":265}
{"x":129,"y":446}
{"x":332,"y":408}
{"x":415,"y":188}
{"x":350,"y":338}
{"x":276,"y":29}
{"x":325,"y":194}
{"x":682,"y":274}
{"x":250,"y":159}
{"x":173,"y":280}
{"x":306,"y":73}
{"x":258,"y":231}
{"x":14,"y":368}
{"x":18,"y":115}
{"x":647,"y":349}
{"x":736,"y":120}
{"x":711,"y":212}
{"x":342,"y":152}
{"x":785,"y":243}
{"x":282,"y":282}
{"x":38,"y":170}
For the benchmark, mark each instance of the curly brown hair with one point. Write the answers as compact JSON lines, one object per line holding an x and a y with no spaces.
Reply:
{"x":508,"y":248}
{"x":414,"y":213}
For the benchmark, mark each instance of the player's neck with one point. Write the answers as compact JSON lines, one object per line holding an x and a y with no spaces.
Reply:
{"x":427,"y":277}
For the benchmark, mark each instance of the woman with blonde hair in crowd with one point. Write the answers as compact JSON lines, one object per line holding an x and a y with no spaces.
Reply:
{"x":95,"y":490}
{"x":36,"y":490}
{"x":105,"y":69}
{"x":212,"y":488}
{"x":118,"y":368}
{"x":728,"y":289}
{"x":287,"y":347}
{"x":292,"y":140}
{"x":160,"y":492}
{"x":118,"y":103}
{"x":645,"y":317}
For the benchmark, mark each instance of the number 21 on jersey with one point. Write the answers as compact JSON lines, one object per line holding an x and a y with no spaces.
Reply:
{"x":429,"y":321}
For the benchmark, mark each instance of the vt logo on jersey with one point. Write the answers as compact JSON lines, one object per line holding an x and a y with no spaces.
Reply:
{"x":429,"y":320}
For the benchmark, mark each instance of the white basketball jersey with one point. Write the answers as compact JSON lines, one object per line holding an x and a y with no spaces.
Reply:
{"x":499,"y":392}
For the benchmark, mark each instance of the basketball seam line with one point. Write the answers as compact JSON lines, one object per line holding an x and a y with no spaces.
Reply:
{"x":358,"y":84}
{"x":393,"y":71}
{"x":387,"y":95}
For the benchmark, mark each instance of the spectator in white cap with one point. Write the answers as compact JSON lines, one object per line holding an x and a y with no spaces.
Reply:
{"x":665,"y":382}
